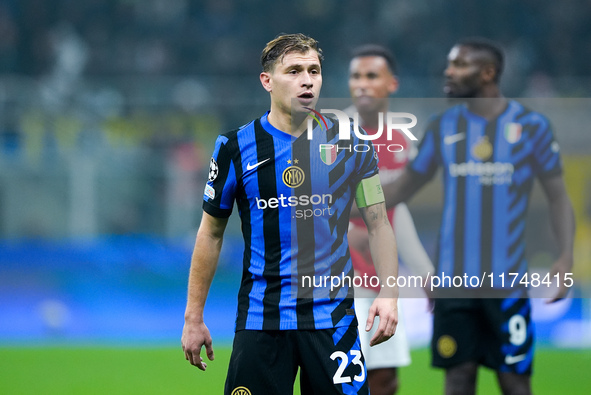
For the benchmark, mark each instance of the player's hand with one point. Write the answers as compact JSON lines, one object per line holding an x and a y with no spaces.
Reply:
{"x":387,"y":310}
{"x":196,"y":335}
{"x":562,"y":266}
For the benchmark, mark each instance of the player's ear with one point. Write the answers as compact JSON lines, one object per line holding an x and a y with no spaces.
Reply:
{"x":488,"y":72}
{"x":393,"y":85}
{"x":265,"y":78}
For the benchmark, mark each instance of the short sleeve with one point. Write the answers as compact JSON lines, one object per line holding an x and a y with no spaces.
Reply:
{"x":220,"y":190}
{"x":546,"y":151}
{"x":426,"y":161}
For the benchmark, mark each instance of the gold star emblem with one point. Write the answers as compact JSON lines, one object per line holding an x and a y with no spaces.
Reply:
{"x":296,"y":161}
{"x":289,"y":161}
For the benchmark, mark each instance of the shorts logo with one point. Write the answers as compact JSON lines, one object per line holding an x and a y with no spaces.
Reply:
{"x":482,"y":149}
{"x":293,"y":176}
{"x":213,"y":170}
{"x":446,"y":346}
{"x":513,"y":359}
{"x":328,"y":153}
{"x":241,"y":391}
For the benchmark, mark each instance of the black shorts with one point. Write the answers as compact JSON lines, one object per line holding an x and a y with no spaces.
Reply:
{"x":497,"y":333}
{"x":266,"y":362}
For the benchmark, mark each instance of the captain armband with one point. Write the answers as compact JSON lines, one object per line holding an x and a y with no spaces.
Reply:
{"x":369,"y":192}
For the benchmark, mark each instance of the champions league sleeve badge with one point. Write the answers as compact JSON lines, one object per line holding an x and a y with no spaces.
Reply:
{"x":213,"y":170}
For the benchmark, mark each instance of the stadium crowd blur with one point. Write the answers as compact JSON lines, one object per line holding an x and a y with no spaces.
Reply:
{"x":182,"y":37}
{"x":147,"y":84}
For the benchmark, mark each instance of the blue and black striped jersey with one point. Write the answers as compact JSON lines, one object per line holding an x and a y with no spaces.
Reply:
{"x":488,"y":171}
{"x":294,"y":197}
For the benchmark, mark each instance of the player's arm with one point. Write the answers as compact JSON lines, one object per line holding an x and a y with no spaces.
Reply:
{"x":418,"y":172}
{"x":398,"y":190}
{"x":563,"y":225}
{"x":204,"y":262}
{"x":403,"y":188}
{"x":382,"y":245}
{"x":410,"y":248}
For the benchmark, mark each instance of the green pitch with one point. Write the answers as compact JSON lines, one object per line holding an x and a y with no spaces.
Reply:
{"x":128,"y":371}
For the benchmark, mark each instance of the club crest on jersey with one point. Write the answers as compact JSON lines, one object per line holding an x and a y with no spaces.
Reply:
{"x":482,"y":149}
{"x":293,"y":176}
{"x":513,"y":132}
{"x":213,"y":170}
{"x":328,"y":153}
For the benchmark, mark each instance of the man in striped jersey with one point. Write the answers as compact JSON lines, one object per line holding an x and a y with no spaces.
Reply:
{"x":294,"y":191}
{"x":491,"y":150}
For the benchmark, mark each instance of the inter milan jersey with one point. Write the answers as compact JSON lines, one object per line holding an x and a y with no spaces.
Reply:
{"x":489,"y":169}
{"x":294,"y":197}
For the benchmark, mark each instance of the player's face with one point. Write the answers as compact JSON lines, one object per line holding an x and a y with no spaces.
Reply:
{"x":295,"y":81}
{"x":463,"y":73}
{"x":370,"y":81}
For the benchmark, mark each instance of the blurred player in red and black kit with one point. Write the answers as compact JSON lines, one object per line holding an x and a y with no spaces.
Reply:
{"x":372,"y":78}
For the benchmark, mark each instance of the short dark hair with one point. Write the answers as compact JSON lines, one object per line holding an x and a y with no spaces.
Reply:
{"x":283,"y":44}
{"x":494,"y":50}
{"x":376,"y":50}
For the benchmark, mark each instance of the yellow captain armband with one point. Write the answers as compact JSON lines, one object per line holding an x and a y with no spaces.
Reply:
{"x":369,"y":192}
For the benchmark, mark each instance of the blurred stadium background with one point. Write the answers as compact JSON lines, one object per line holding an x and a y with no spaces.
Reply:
{"x":109,"y":110}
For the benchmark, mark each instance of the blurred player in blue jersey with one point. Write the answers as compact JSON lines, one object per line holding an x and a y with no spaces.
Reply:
{"x":293,"y":182}
{"x":372,"y":79}
{"x":491,"y":149}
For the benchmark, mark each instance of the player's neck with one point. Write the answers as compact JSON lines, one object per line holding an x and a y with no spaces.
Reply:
{"x":286,"y":123}
{"x":371,"y":119}
{"x":488,"y":103}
